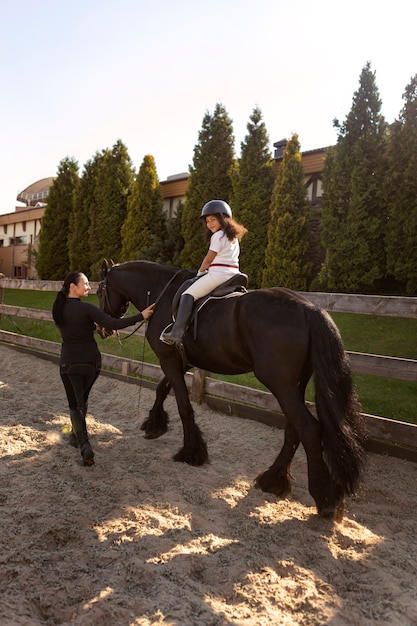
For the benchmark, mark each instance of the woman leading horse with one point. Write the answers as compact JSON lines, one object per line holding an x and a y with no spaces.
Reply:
{"x":285,"y":340}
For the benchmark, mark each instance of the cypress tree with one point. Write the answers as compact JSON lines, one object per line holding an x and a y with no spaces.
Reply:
{"x":354,"y":211}
{"x":52,"y":259}
{"x":174,"y":241}
{"x":401,"y":194}
{"x":113,"y":186}
{"x":253,"y":182}
{"x":80,"y":219}
{"x":210,"y":179}
{"x":285,"y":256}
{"x":144,"y":229}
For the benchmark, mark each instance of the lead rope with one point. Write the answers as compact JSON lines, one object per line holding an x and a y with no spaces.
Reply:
{"x":143,"y":358}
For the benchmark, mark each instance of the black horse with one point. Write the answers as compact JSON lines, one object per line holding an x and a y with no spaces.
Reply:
{"x":284,"y":339}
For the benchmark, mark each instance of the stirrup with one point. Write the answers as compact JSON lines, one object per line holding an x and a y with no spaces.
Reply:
{"x":172,"y":342}
{"x":162,"y":338}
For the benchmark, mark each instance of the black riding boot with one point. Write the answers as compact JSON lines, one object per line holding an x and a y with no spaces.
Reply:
{"x":72,"y":438}
{"x":185,"y":308}
{"x":79,"y":426}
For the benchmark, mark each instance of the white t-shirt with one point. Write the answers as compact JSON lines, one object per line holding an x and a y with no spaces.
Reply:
{"x":227,"y":253}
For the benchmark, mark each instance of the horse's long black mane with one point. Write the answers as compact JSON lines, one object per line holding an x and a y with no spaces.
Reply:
{"x":139,"y":266}
{"x":154,"y":271}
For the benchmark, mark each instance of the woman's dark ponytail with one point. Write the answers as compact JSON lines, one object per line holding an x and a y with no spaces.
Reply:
{"x":61,"y":296}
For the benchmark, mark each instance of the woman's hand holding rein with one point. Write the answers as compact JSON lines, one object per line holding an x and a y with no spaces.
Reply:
{"x":148,"y":311}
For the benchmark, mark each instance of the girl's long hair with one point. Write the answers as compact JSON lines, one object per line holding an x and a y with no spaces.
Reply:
{"x":232,"y":229}
{"x":61,"y":296}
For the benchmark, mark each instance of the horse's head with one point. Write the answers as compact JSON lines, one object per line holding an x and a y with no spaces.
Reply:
{"x":111,"y":301}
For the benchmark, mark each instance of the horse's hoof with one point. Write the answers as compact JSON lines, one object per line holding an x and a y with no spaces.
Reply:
{"x":154,"y":434}
{"x":279,"y":486}
{"x":194,"y":460}
{"x":333,"y":513}
{"x":155,"y":427}
{"x":339,"y":513}
{"x":151,"y":436}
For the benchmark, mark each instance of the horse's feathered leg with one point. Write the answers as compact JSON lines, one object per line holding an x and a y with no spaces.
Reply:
{"x":301,"y":426}
{"x":326,"y":492}
{"x":156,"y":424}
{"x":194,"y":450}
{"x":277,"y":479}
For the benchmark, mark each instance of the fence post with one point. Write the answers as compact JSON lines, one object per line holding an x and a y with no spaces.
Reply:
{"x":198,"y":388}
{"x":125,"y":368}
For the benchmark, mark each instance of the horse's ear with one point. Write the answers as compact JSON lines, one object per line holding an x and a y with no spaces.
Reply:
{"x":112,"y":263}
{"x":104,"y":268}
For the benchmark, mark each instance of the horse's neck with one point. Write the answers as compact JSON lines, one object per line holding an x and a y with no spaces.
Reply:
{"x":150,"y":279}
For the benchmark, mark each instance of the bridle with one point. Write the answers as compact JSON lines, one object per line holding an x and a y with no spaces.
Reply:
{"x":102,"y":289}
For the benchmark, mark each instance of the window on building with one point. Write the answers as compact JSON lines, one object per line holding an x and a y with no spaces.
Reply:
{"x":18,"y":241}
{"x":20,"y":271}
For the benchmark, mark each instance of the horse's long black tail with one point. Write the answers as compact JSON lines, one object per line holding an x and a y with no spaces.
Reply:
{"x":337,"y":406}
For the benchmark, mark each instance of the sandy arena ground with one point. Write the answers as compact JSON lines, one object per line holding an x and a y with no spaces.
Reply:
{"x":139,"y":540}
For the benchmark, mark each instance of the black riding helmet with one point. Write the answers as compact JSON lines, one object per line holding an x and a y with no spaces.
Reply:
{"x":216,"y":207}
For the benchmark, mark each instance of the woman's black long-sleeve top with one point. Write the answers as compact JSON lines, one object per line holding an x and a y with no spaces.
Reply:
{"x":77,"y":330}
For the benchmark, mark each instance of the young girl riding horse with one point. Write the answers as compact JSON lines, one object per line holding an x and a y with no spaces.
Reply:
{"x":219,"y":265}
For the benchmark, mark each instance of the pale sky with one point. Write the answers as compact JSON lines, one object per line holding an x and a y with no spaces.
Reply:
{"x":77,"y":76}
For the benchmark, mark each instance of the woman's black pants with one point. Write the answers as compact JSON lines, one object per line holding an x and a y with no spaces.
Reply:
{"x":78,"y":379}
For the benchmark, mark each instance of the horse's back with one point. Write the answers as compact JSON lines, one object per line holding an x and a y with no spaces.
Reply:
{"x":276,"y":306}
{"x":232,"y":333}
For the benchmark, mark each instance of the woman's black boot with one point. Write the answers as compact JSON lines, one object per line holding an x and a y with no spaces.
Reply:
{"x":79,"y":426}
{"x":72,"y":437}
{"x":87,"y":452}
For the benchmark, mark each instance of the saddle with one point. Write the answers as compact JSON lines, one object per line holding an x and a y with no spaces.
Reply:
{"x":235,"y":286}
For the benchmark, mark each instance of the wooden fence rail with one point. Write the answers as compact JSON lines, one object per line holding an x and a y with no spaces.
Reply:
{"x":399,"y":437}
